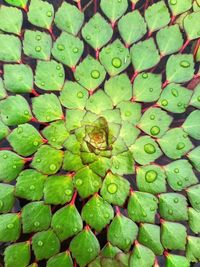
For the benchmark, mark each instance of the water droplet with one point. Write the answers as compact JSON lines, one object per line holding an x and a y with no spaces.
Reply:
{"x":88,"y":37}
{"x":179,"y":183}
{"x":38,"y":160}
{"x":184,"y":64}
{"x":48,"y":118}
{"x":5,"y":156}
{"x":79,"y":182}
{"x":89,"y":250}
{"x":53,"y":139}
{"x":179,"y":104}
{"x":36,"y":224}
{"x":112,"y":188}
{"x":32,"y":187}
{"x":38,"y":48}
{"x":75,"y":50}
{"x":127,"y":241}
{"x":106,"y":215}
{"x":127,"y":113}
{"x":75,"y":230}
{"x":151,"y":176}
{"x":186,"y":179}
{"x":173,"y":2}
{"x":96,"y":184}
{"x":49,"y":14}
{"x":35,"y":143}
{"x":52,"y":167}
{"x":60,"y":47}
{"x":149,"y":148}
{"x":116,"y":62}
{"x":14,"y":166}
{"x":144,"y":214}
{"x":155,"y":130}
{"x":40,"y":243}
{"x":176,"y":170}
{"x":145,"y":75}
{"x":61,"y":74}
{"x":95,"y":74}
{"x":119,"y":1}
{"x":176,"y":200}
{"x":170,"y":211}
{"x":80,"y":94}
{"x":150,"y":89}
{"x":26,"y":112}
{"x":180,"y":146}
{"x":58,"y":67}
{"x":138,"y":256}
{"x":174,"y":92}
{"x":38,"y":37}
{"x":19,"y":130}
{"x":198,"y":98}
{"x":152,"y":208}
{"x":42,"y":84}
{"x":116,"y":165}
{"x":10,"y":226}
{"x":152,"y":117}
{"x":68,"y":192}
{"x":164,"y":102}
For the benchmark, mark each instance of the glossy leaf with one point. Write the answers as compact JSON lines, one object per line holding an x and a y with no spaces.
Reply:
{"x":194,"y":197}
{"x":130,"y":111}
{"x":192,"y":124}
{"x":141,"y":256}
{"x":6,"y":197}
{"x":191,"y":25}
{"x":10,"y":48}
{"x":10,"y":227}
{"x":18,"y":3}
{"x":194,"y":220}
{"x":193,"y":249}
{"x":94,"y":103}
{"x":176,"y":260}
{"x":194,"y":157}
{"x":114,"y":9}
{"x":195,"y":100}
{"x":60,"y":260}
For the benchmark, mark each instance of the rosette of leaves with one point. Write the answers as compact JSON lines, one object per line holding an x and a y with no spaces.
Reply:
{"x":99,"y":130}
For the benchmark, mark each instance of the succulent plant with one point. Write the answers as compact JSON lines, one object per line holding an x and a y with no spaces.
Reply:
{"x":100,"y":130}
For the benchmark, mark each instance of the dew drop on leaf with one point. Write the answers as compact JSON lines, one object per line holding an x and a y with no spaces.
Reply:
{"x":176,"y":170}
{"x":145,"y":75}
{"x":49,"y":14}
{"x":149,"y":148}
{"x":164,"y":102}
{"x":19,"y":130}
{"x":10,"y":225}
{"x":152,"y":117}
{"x":112,"y":188}
{"x":80,"y":94}
{"x":174,"y":92}
{"x":184,"y":64}
{"x":38,"y":48}
{"x":155,"y":130}
{"x":32,"y":187}
{"x":68,"y":192}
{"x":52,"y":167}
{"x":60,"y":47}
{"x":35,"y":143}
{"x":151,"y":176}
{"x":36,"y":224}
{"x":5,"y":156}
{"x":40,"y":243}
{"x":79,"y":182}
{"x":14,"y":166}
{"x":95,"y":74}
{"x":176,"y":200}
{"x":75,"y":50}
{"x":38,"y":37}
{"x":180,"y":146}
{"x":170,"y":211}
{"x":173,"y":2}
{"x":116,"y":62}
{"x":179,"y":183}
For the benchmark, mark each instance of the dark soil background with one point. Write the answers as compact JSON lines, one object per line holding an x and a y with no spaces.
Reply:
{"x":178,"y":118}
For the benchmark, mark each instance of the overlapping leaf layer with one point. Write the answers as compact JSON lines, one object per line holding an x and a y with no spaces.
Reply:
{"x":100,"y":130}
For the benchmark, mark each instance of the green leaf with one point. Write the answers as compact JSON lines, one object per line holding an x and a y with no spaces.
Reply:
{"x":180,"y":68}
{"x":130,"y":111}
{"x":74,"y":118}
{"x":45,"y":244}
{"x":141,"y":256}
{"x":72,"y":162}
{"x":10,"y":19}
{"x":90,"y":73}
{"x":58,"y":189}
{"x":142,"y":207}
{"x":115,"y":189}
{"x":122,"y":232}
{"x":157,"y":16}
{"x":129,"y":133}
{"x":72,"y":144}
{"x":18,"y":255}
{"x":37,"y":44}
{"x":192,"y":124}
{"x":94,"y":103}
{"x":109,"y":251}
{"x":136,"y":27}
{"x":10,"y":227}
{"x":180,"y":174}
{"x":176,"y":261}
{"x":10,"y":165}
{"x":49,"y":75}
{"x":100,"y":166}
{"x":36,"y":216}
{"x":25,"y":139}
{"x":65,"y":230}
{"x":194,"y":157}
{"x":145,"y":150}
{"x":18,"y":78}
{"x":18,"y":3}
{"x":97,"y":213}
{"x":115,"y":57}
{"x":15,"y":110}
{"x":97,"y":32}
{"x":10,"y":48}
{"x":40,"y":13}
{"x":68,"y":49}
{"x":173,"y":207}
{"x":147,"y":87}
{"x":114,"y":9}
{"x":56,"y":133}
{"x":2,"y":90}
{"x":73,"y":96}
{"x":52,"y":109}
{"x":84,"y":247}
{"x":149,"y":236}
{"x":169,"y":40}
{"x":30,"y":184}
{"x":68,"y":18}
{"x":195,"y":100}
{"x":173,"y":235}
{"x":144,"y":55}
{"x":194,"y":220}
{"x":151,"y":178}
{"x":191,"y":25}
{"x":175,"y":98}
{"x":87,"y":182}
{"x":6,"y":197}
{"x":193,"y":249}
{"x":194,"y":196}
{"x":60,"y":260}
{"x":155,"y":122}
{"x":118,"y":88}
{"x":47,"y":160}
{"x":4,"y":130}
{"x":177,"y":7}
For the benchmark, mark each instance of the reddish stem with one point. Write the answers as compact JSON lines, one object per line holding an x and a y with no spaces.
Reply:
{"x":79,"y":5}
{"x":28,"y":159}
{"x":34,"y":92}
{"x":52,"y":34}
{"x":172,"y":19}
{"x":73,"y":199}
{"x":113,"y":24}
{"x":25,"y":8}
{"x":133,"y":6}
{"x":75,"y":264}
{"x":166,"y":253}
{"x":196,"y":47}
{"x":149,"y":34}
{"x":135,"y":74}
{"x":73,"y":68}
{"x":5,"y":148}
{"x":146,"y":4}
{"x":87,"y":228}
{"x":95,"y":6}
{"x":97,"y":54}
{"x":165,"y":84}
{"x":184,"y":45}
{"x":118,"y":212}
